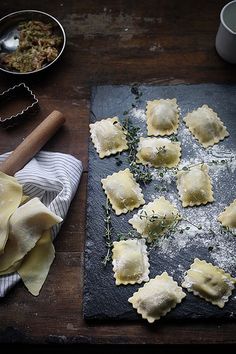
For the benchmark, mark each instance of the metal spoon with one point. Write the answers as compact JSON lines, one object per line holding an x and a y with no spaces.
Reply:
{"x":10,"y":41}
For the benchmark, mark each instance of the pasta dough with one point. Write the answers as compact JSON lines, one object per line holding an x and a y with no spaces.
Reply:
{"x":36,"y":264}
{"x":108,"y":137}
{"x":158,"y":152}
{"x":162,"y":117}
{"x":130,"y":261}
{"x":209,"y":282}
{"x":10,"y":198}
{"x":206,"y":126}
{"x":155,"y":219}
{"x":194,"y":185}
{"x":157,"y":297}
{"x":123,"y":191}
{"x":228,"y":216}
{"x":27,"y":224}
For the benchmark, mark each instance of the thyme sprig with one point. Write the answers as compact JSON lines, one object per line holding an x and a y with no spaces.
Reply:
{"x":136,"y":92}
{"x":128,"y":235}
{"x":107,"y":233}
{"x":165,"y":227}
{"x":141,"y":173}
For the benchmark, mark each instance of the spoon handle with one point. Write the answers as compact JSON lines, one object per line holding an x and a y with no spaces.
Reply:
{"x":32,"y":143}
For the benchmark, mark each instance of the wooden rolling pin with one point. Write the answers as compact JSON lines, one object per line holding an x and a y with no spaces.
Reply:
{"x":32,"y":143}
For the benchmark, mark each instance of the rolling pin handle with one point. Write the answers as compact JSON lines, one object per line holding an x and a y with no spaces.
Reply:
{"x":32,"y":143}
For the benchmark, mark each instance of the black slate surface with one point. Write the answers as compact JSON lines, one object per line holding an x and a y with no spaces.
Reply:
{"x":102,"y":298}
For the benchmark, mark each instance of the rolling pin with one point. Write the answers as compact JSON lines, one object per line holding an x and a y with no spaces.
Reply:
{"x":32,"y":143}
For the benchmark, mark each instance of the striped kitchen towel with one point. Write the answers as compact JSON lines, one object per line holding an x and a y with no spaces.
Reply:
{"x":54,"y":178}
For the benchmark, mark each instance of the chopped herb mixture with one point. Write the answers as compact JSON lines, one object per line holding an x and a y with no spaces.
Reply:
{"x":38,"y":45}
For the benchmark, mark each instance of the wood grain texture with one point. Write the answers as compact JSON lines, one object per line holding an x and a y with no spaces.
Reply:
{"x":108,"y":42}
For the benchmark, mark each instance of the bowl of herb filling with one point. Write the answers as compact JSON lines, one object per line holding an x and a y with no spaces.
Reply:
{"x":30,"y":41}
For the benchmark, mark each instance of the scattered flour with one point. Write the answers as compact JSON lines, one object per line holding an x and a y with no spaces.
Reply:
{"x":199,"y":227}
{"x":138,"y":114}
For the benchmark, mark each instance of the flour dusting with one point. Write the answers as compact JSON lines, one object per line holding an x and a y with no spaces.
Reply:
{"x":199,"y":227}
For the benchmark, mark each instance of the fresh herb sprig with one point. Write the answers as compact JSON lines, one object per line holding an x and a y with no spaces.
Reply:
{"x":141,"y":173}
{"x":107,"y":233}
{"x":127,"y":235}
{"x":136,"y":92}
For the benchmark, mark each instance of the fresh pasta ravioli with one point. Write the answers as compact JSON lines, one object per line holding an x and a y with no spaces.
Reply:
{"x":123,"y":191}
{"x":228,"y":216}
{"x":108,"y":137}
{"x":155,"y":219}
{"x":130,"y":261}
{"x":158,"y":152}
{"x":194,"y":185}
{"x":157,"y":297}
{"x":206,"y":126}
{"x":209,"y":282}
{"x":162,"y":117}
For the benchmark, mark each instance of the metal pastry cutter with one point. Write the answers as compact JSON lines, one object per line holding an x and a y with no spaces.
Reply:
{"x":15,"y":97}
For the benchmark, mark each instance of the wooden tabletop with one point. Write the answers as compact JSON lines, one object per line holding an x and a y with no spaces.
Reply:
{"x":108,"y":42}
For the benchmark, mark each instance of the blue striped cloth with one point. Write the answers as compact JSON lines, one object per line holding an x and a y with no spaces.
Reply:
{"x":54,"y":178}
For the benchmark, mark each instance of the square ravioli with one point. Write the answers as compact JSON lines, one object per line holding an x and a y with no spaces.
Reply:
{"x":228,"y":217}
{"x":157,"y":297}
{"x":123,"y":191}
{"x":194,"y":185}
{"x":162,"y":117}
{"x":130,"y":261}
{"x":158,"y":152}
{"x":155,"y":219}
{"x":206,"y":126}
{"x":209,"y":282}
{"x":108,"y":137}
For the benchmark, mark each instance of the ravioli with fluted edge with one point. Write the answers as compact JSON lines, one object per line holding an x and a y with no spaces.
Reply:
{"x":209,"y":282}
{"x":108,"y":136}
{"x":206,"y":126}
{"x":162,"y":117}
{"x":194,"y":185}
{"x":228,"y":216}
{"x":157,"y":297}
{"x":11,"y":195}
{"x":130,"y":261}
{"x":123,"y":192}
{"x":158,"y":152}
{"x":155,"y":219}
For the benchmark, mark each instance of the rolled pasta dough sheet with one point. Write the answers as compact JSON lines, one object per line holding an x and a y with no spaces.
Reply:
{"x":11,"y":195}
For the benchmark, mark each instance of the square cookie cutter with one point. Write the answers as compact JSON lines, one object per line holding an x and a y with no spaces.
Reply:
{"x":13,"y":93}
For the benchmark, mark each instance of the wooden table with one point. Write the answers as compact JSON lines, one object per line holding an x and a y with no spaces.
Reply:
{"x":108,"y":42}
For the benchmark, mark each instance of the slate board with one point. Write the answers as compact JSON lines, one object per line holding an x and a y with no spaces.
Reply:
{"x":102,"y":298}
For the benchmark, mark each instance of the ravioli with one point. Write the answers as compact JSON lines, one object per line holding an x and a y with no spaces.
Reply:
{"x":206,"y":126}
{"x":10,"y":199}
{"x":162,"y":117}
{"x":158,"y":152}
{"x":26,"y":226}
{"x":194,"y":185}
{"x":157,"y":297}
{"x":155,"y":219}
{"x":209,"y":282}
{"x":108,"y":137}
{"x":130,"y":261}
{"x":123,"y":191}
{"x":228,"y":216}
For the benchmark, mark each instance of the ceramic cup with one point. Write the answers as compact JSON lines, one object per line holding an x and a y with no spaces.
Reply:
{"x":226,"y":35}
